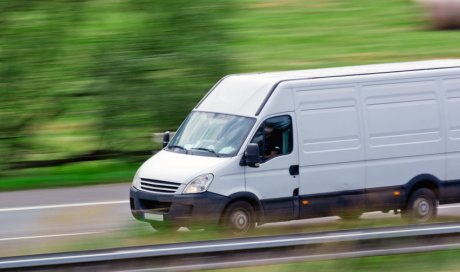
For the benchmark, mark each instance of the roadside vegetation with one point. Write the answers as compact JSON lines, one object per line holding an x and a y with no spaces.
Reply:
{"x":84,"y":84}
{"x":440,"y":261}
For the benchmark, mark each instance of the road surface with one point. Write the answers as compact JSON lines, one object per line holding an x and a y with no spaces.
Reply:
{"x":33,"y":220}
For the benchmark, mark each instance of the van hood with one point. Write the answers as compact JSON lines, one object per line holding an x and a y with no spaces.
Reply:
{"x":177,"y":167}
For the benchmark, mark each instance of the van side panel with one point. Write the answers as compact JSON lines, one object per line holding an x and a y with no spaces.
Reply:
{"x":403,"y":131}
{"x":402,"y":119}
{"x":331,"y":149}
{"x":362,"y":138}
{"x":452,"y":109}
{"x":361,"y":142}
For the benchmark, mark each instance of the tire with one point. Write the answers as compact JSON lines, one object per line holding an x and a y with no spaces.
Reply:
{"x":421,"y":207}
{"x":239,"y":218}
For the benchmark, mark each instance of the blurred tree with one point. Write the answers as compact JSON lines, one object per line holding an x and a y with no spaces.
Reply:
{"x":151,"y":78}
{"x":31,"y":37}
{"x":130,"y":66}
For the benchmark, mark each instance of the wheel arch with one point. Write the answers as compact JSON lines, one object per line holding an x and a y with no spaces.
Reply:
{"x":424,"y":181}
{"x":247,"y":197}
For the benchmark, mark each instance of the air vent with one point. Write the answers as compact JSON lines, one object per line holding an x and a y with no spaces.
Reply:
{"x":159,"y":186}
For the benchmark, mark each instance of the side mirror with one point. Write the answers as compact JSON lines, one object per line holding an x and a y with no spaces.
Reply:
{"x":252,"y":155}
{"x":165,"y":139}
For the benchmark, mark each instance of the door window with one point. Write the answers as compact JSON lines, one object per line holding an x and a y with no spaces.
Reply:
{"x":274,"y":137}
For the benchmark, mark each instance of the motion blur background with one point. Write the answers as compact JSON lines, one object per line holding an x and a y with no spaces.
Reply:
{"x":84,"y":84}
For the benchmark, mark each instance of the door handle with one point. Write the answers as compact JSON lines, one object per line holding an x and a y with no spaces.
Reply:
{"x":294,"y":170}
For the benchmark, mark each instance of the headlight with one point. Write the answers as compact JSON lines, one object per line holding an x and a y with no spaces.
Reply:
{"x":199,"y":184}
{"x":136,"y":181}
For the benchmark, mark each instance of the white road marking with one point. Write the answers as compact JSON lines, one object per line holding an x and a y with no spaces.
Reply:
{"x":14,"y":209}
{"x":208,"y":247}
{"x":48,"y":236}
{"x":449,"y":206}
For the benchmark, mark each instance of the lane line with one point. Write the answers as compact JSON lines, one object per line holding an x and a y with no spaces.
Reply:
{"x":449,"y":206}
{"x":48,"y":236}
{"x":229,"y":245}
{"x":15,"y":209}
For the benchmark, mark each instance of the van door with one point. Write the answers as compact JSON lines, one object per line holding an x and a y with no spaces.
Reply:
{"x":332,"y":158}
{"x":276,"y":181}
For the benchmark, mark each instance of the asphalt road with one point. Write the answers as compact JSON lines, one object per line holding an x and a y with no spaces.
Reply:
{"x":30,"y":220}
{"x":33,"y":219}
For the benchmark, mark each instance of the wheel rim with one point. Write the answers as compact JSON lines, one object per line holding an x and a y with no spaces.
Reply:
{"x":240,"y":221}
{"x":423,"y":208}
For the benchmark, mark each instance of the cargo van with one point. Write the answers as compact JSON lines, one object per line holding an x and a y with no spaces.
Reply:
{"x":281,"y":146}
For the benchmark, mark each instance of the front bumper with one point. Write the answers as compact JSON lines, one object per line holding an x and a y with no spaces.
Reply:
{"x":180,"y":210}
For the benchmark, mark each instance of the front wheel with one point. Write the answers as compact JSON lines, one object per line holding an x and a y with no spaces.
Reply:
{"x":422,"y":206}
{"x":239,"y":218}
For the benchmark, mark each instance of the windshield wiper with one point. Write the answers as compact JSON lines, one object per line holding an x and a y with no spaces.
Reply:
{"x":177,"y":146}
{"x":206,"y":149}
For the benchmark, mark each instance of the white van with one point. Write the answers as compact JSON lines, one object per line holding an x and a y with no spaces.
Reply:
{"x":290,"y":145}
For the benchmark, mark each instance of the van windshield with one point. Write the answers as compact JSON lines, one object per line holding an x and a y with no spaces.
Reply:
{"x":211,"y":134}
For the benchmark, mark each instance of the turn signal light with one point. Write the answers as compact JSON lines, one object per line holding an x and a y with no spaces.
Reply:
{"x":396,"y":193}
{"x":305,"y":202}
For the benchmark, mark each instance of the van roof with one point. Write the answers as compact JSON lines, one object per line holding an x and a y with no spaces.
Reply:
{"x":245,"y":94}
{"x":361,"y":69}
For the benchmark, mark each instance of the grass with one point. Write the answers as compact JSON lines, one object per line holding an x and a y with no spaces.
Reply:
{"x":431,"y":261}
{"x":285,"y":35}
{"x":77,"y":174}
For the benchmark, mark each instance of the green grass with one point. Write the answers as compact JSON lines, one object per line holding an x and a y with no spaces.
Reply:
{"x":85,"y":173}
{"x":431,"y":261}
{"x":284,"y":35}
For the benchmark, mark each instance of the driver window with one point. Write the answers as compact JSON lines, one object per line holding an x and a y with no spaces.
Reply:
{"x":274,"y":137}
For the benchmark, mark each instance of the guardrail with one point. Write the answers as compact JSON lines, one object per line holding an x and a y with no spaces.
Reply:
{"x":251,"y":250}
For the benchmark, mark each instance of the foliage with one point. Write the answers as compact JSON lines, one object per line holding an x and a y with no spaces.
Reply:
{"x":31,"y":43}
{"x":128,"y":66}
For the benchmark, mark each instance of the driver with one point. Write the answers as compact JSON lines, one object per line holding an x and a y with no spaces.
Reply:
{"x":272,"y":142}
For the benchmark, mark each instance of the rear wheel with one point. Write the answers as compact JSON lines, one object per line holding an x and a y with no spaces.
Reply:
{"x":422,"y":206}
{"x":239,"y":218}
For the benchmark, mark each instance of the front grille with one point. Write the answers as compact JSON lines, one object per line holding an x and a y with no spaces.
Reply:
{"x":159,"y":186}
